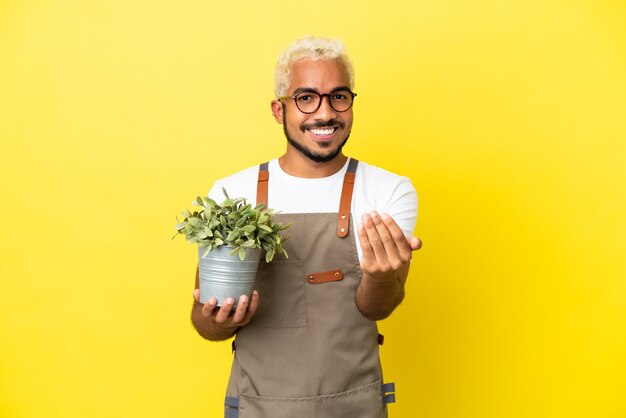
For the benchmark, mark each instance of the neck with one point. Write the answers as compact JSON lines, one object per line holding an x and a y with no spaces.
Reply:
{"x":297,"y":165}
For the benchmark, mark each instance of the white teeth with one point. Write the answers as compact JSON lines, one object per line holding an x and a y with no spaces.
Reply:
{"x":321,"y":132}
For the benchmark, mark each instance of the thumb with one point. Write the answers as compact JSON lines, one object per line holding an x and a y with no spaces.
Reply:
{"x":196,"y":295}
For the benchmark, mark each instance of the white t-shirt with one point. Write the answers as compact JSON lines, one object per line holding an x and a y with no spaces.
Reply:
{"x":374,"y":189}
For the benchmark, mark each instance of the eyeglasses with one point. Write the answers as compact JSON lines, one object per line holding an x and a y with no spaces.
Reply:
{"x":340,"y":100}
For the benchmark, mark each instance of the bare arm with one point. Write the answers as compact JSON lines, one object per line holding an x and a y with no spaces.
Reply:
{"x":218,"y":324}
{"x":386,"y":260}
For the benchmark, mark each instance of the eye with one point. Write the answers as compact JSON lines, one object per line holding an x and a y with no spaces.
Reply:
{"x":340,"y":95}
{"x":305,"y":98}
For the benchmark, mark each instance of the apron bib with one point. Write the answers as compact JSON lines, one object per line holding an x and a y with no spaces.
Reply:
{"x":308,"y":352}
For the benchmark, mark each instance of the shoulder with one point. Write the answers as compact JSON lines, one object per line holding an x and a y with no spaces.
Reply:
{"x":385,"y":192}
{"x":379,"y":181}
{"x":240,"y":184}
{"x":371,"y":170}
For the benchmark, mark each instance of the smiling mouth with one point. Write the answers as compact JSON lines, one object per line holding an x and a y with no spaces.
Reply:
{"x":322,"y":133}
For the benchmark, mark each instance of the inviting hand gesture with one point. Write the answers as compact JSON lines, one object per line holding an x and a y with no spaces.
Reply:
{"x":385,"y":264}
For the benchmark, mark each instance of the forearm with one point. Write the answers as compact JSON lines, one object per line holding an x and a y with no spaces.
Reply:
{"x":207,"y":327}
{"x":376,"y":298}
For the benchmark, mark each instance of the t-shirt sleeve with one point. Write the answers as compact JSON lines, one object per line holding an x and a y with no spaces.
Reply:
{"x":402,"y":206}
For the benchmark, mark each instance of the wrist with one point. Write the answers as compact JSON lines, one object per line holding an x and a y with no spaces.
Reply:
{"x":387,"y":280}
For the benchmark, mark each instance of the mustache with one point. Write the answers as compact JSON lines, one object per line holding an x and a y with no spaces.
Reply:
{"x":332,"y":123}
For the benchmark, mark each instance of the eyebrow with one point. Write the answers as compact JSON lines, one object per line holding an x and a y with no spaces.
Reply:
{"x":311,"y":89}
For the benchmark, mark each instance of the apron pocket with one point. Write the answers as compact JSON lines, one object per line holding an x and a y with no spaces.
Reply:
{"x":281,"y":286}
{"x":362,"y":402}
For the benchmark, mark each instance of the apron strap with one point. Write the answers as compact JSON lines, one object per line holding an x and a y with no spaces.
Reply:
{"x":231,"y":402}
{"x":388,"y":390}
{"x":231,"y":407}
{"x":261,"y":187}
{"x":343,"y":218}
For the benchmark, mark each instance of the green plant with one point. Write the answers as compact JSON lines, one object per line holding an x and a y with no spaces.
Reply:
{"x":234,"y":223}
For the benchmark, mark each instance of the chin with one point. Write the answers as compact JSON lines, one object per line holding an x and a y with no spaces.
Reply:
{"x":322,"y":154}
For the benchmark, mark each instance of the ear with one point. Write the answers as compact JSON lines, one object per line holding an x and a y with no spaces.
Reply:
{"x":277,"y":110}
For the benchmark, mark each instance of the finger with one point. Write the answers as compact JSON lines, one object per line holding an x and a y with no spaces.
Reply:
{"x":196,"y":295}
{"x":368,"y":252}
{"x":394,"y":242}
{"x":222,"y":314}
{"x":240,"y":312}
{"x":415,"y":243}
{"x":375,"y":240}
{"x":399,"y":239}
{"x":254,"y":304}
{"x":209,"y":306}
{"x":396,"y":232}
{"x":385,"y":235}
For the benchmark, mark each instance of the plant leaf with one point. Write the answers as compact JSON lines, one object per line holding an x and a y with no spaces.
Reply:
{"x":207,"y":251}
{"x":248,"y":228}
{"x":249,"y":244}
{"x":233,"y":235}
{"x":195,"y":222}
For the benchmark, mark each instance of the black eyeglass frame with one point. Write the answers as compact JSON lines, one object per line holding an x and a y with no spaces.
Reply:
{"x":319,"y":104}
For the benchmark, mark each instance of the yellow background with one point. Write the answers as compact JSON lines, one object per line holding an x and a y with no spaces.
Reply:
{"x":509,"y":117}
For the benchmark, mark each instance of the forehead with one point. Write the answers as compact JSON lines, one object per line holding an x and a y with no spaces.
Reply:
{"x":323,"y":76}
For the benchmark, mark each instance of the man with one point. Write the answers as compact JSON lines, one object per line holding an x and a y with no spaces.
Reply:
{"x":307,"y":342}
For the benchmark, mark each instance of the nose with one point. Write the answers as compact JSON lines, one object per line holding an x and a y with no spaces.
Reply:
{"x":325,"y":111}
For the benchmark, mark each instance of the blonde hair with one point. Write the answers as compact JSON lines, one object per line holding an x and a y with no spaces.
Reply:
{"x":309,"y":48}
